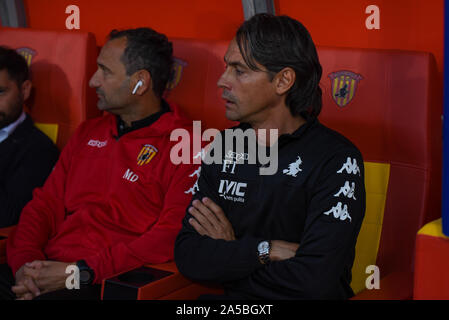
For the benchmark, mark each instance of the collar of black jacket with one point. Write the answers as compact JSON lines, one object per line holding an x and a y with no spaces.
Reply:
{"x":294,"y":135}
{"x":123,"y":129}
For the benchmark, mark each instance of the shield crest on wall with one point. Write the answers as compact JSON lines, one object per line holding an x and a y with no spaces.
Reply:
{"x":176,"y":73}
{"x":27,"y":53}
{"x":344,"y":86}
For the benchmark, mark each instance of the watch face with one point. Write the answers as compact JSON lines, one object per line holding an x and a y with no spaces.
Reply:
{"x":263,"y":247}
{"x":84,"y":276}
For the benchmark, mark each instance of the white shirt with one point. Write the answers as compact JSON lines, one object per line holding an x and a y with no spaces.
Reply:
{"x":8,"y":130}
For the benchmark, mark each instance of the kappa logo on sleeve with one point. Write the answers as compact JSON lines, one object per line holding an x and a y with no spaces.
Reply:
{"x":195,"y":187}
{"x":347,"y":191}
{"x":200,"y":155}
{"x":339,"y":211}
{"x":350,"y":166}
{"x":293,"y":168}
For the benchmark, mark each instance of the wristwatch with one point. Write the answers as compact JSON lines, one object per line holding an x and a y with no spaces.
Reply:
{"x":87,"y":275}
{"x":264,"y":251}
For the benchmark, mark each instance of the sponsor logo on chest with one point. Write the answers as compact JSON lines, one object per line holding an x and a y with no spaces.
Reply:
{"x":232,"y":190}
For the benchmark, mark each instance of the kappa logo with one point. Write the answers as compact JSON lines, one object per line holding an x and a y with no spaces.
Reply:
{"x":232,"y":190}
{"x":340,"y":211}
{"x":195,"y":187}
{"x":97,"y":143}
{"x":347,"y":190}
{"x":293,"y":168}
{"x":350,"y":166}
{"x":200,"y":155}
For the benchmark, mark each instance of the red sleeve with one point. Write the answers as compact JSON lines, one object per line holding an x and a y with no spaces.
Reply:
{"x":42,"y":214}
{"x":157,"y":244}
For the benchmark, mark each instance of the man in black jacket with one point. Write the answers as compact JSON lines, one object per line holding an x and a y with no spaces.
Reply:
{"x":27,"y":156}
{"x":291,"y":234}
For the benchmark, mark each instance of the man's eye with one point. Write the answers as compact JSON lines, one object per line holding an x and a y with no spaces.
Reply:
{"x":238,"y":72}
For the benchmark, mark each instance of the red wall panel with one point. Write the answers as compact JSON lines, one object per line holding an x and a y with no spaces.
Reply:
{"x":202,"y":19}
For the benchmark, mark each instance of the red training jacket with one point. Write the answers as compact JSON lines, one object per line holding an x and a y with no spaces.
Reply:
{"x":104,"y":205}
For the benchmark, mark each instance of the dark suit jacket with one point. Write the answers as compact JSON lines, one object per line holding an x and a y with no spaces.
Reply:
{"x":27,"y":157}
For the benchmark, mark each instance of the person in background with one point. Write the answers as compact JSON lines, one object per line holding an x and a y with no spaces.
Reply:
{"x":27,"y":155}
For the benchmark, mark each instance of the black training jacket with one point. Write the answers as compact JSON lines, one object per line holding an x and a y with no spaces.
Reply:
{"x":316,"y":199}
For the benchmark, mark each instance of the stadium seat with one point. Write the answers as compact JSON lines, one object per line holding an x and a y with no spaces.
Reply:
{"x":61,"y":64}
{"x":198,"y":66}
{"x":431,"y":263}
{"x":394,"y":118}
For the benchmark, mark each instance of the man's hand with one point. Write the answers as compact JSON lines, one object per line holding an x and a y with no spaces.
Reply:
{"x":210,"y":220}
{"x":46,"y":275}
{"x":25,"y":287}
{"x":282,"y":250}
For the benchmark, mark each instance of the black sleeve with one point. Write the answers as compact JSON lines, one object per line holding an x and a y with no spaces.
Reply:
{"x":202,"y":258}
{"x":333,"y":221}
{"x":30,"y":172}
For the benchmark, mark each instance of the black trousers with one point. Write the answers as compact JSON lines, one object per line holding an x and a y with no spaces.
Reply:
{"x":86,"y":293}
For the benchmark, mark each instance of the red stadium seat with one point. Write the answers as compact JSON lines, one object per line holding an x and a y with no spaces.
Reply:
{"x":431,"y":263}
{"x":198,"y":66}
{"x":395,"y":119}
{"x":61,"y":64}
{"x":388,"y":104}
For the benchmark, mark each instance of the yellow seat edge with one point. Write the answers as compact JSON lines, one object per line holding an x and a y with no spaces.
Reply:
{"x":434,"y":229}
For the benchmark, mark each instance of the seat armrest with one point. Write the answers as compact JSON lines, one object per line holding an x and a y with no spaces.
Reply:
{"x":153,"y":282}
{"x":4,"y":233}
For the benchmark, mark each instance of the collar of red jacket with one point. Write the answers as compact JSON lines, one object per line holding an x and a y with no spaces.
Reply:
{"x":167,"y":122}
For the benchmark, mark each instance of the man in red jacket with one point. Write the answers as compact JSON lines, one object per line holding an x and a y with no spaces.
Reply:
{"x":114,"y":200}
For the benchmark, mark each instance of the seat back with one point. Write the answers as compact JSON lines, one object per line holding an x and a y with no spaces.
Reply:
{"x":198,"y":66}
{"x":61,"y":63}
{"x":388,"y":104}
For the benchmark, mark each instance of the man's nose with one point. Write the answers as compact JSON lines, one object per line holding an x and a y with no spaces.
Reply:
{"x":223,"y":82}
{"x":93,"y":82}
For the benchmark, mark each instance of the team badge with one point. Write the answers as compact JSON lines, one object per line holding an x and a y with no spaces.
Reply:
{"x":344,"y":85}
{"x":176,"y":73}
{"x":146,"y":154}
{"x":27,"y":53}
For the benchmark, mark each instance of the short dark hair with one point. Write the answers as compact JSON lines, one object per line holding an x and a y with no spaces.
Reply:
{"x":277,"y":42}
{"x":149,"y":50}
{"x":15,"y":64}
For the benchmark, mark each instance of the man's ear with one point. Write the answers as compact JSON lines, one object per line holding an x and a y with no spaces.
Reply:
{"x":284,"y":80}
{"x":25,"y":89}
{"x":145,"y":78}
